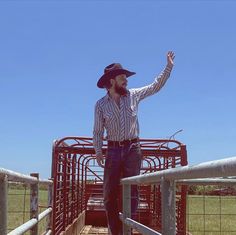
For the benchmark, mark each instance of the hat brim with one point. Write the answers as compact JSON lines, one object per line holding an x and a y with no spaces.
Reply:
{"x":107,"y":76}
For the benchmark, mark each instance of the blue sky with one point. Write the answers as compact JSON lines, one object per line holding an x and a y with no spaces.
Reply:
{"x":53,"y":52}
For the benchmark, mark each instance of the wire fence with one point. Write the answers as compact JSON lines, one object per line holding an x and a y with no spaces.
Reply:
{"x":212,"y":210}
{"x":25,"y":203}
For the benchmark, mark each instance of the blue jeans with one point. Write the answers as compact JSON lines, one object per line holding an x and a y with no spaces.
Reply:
{"x":120,"y":162}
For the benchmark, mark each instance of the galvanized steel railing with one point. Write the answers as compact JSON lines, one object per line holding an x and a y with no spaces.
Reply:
{"x":168,"y":180}
{"x":34,"y":181}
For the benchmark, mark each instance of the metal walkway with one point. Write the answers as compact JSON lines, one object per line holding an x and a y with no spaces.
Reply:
{"x":89,"y":229}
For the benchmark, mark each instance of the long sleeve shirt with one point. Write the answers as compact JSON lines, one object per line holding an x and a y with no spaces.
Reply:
{"x":121,"y":122}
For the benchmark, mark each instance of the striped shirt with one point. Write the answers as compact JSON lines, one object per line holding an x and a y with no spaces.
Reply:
{"x":121,"y":122}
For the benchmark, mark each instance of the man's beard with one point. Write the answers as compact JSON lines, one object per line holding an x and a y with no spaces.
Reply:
{"x":120,"y":90}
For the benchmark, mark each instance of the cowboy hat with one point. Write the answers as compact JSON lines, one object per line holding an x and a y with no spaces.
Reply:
{"x":111,"y":71}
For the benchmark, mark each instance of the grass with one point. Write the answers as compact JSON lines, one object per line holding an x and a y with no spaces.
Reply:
{"x":211,"y":215}
{"x":19,"y":207}
{"x":206,"y":215}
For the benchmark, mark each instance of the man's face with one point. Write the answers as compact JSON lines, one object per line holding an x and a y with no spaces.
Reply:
{"x":121,"y":84}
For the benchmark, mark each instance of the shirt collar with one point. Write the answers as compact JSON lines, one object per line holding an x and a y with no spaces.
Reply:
{"x":107,"y":96}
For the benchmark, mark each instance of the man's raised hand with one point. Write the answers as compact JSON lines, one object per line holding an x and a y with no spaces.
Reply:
{"x":170,"y":58}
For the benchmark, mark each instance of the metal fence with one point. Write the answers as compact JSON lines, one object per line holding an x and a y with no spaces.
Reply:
{"x":211,"y":206}
{"x":78,"y":182}
{"x":33,"y":181}
{"x":168,"y":179}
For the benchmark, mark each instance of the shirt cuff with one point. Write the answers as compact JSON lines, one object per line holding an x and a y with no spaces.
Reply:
{"x":168,"y":68}
{"x":98,"y":152}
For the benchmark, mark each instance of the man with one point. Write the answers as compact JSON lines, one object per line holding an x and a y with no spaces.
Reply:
{"x":117,"y":113}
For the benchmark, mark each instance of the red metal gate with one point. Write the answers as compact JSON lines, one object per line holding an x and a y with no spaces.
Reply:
{"x":78,"y":182}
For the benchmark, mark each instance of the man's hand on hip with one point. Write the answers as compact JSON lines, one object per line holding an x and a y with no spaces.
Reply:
{"x":100,"y":160}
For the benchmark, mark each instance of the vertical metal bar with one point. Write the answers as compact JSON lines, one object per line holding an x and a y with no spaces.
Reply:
{"x":220,"y":214}
{"x":204,"y":208}
{"x":50,"y":197}
{"x":168,"y":207}
{"x":182,"y":218}
{"x":73,"y":202}
{"x":82,"y":194}
{"x":68,"y":189}
{"x":184,"y":160}
{"x":34,"y":191}
{"x":126,"y":207}
{"x":188,"y":209}
{"x":79,"y":209}
{"x":55,"y":175}
{"x":3,"y":204}
{"x":24,"y":212}
{"x":64,"y":191}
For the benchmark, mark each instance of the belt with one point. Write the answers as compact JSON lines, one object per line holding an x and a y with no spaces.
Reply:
{"x":122,"y":143}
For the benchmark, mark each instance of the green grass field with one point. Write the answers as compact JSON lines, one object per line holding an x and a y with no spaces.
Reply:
{"x":206,"y":215}
{"x":211,"y":215}
{"x":19,"y":207}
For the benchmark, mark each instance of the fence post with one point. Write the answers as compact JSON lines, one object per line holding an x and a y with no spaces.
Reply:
{"x":50,"y":197}
{"x":126,"y":207}
{"x":3,"y":204}
{"x":168,"y":207}
{"x":34,"y":191}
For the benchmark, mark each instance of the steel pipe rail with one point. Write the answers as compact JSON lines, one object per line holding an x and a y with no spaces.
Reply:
{"x":137,"y":226}
{"x":219,"y":168}
{"x":18,"y":177}
{"x":49,"y":232}
{"x":31,"y":223}
{"x":201,"y":173}
{"x":3,"y":204}
{"x":207,"y":181}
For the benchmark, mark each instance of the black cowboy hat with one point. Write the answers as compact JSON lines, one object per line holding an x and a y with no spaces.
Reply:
{"x":111,"y":71}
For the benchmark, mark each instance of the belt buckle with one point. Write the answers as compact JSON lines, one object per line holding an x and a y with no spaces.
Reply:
{"x":121,"y":144}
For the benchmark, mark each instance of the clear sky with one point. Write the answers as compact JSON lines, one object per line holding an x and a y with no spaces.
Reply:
{"x":53,"y":52}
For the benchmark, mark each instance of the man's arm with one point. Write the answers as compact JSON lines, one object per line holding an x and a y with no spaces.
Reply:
{"x":98,"y":132}
{"x":159,"y":82}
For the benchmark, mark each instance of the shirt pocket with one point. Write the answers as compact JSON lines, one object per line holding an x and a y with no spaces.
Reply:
{"x":109,"y":117}
{"x":132,"y":111}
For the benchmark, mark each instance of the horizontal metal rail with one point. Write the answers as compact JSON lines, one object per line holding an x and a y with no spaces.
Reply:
{"x":18,"y":177}
{"x":219,"y":168}
{"x":138,"y":227}
{"x":49,"y":232}
{"x":207,"y":181}
{"x":203,"y":173}
{"x":30,"y":224}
